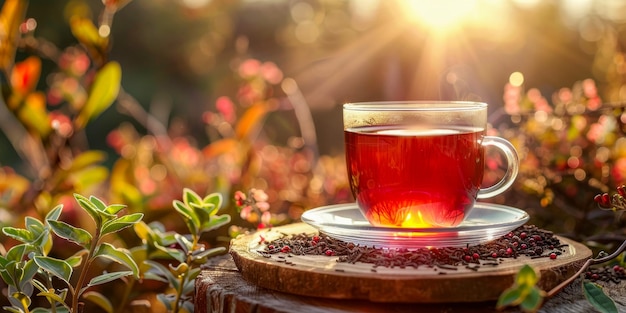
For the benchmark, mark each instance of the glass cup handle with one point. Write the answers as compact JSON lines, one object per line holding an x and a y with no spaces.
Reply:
{"x":512,"y":166}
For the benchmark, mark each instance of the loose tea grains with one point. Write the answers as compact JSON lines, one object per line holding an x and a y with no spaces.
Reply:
{"x":527,"y":240}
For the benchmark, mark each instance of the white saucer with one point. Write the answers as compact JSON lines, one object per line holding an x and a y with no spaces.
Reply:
{"x":485,"y":222}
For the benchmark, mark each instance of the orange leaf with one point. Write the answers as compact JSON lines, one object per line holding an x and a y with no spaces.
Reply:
{"x":11,"y":16}
{"x":251,"y":120}
{"x":25,"y":75}
{"x":220,"y":147}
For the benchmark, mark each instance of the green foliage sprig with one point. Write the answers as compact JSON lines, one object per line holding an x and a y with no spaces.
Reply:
{"x":28,"y":266}
{"x":200,"y":216}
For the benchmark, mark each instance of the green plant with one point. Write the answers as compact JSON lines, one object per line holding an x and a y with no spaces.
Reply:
{"x":188,"y":253}
{"x":29,"y":266}
{"x":163,"y":256}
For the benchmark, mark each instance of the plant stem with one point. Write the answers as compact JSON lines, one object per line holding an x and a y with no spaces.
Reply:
{"x":84,"y":270}
{"x":588,"y":263}
{"x":179,"y":292}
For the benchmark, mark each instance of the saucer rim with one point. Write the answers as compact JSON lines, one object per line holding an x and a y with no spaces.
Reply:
{"x":521,"y":218}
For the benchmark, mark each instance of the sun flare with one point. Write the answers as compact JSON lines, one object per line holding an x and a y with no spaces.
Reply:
{"x":439,"y":15}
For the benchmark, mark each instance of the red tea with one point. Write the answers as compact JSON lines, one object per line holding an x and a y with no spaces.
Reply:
{"x":415,"y":177}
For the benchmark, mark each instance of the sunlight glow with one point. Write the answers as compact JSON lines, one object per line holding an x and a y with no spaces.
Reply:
{"x":441,"y":14}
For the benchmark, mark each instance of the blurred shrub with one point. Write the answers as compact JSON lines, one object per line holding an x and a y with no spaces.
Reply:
{"x":572,"y":147}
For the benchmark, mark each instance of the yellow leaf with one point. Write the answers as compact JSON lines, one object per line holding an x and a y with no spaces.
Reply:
{"x":89,"y":177}
{"x":86,"y":159}
{"x":34,"y":115}
{"x":104,"y":91}
{"x":87,"y":34}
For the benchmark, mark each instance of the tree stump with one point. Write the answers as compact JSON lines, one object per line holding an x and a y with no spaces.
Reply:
{"x":249,"y":282}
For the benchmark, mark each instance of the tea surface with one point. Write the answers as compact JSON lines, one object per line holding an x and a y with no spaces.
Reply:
{"x":415,"y":177}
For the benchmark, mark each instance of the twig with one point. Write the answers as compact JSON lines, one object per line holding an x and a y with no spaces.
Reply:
{"x":588,"y":263}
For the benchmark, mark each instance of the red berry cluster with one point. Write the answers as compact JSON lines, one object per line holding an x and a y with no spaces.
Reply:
{"x":617,"y":201}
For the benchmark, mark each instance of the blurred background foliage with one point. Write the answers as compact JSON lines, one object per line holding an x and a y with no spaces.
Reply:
{"x":229,"y":95}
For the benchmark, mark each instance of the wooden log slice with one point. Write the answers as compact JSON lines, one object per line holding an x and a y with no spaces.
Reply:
{"x":323,"y":276}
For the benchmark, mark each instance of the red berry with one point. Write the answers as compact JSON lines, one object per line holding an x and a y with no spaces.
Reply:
{"x":617,"y":268}
{"x":329,"y":252}
{"x":509,"y":251}
{"x":494,"y":255}
{"x":476,"y":256}
{"x":316,"y":238}
{"x":523,"y":235}
{"x":523,"y":246}
{"x":467,"y":258}
{"x":271,"y":247}
{"x":285,"y":249}
{"x":552,"y":255}
{"x":594,"y":276}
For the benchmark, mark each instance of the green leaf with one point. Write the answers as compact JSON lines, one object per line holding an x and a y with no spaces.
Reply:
{"x":35,"y":226}
{"x":190,"y":196}
{"x":18,"y":234}
{"x":90,"y":208}
{"x":100,"y":205}
{"x":55,"y":213}
{"x":22,"y":298}
{"x":17,"y":253}
{"x":215,"y":198}
{"x":105,"y":88}
{"x":107,"y":277}
{"x":215,"y":222}
{"x":190,"y":217}
{"x":74,"y":234}
{"x":526,"y":277}
{"x":77,"y":259}
{"x":119,"y":255}
{"x":29,"y":271}
{"x":120,"y":223}
{"x":510,"y":297}
{"x":176,"y":254}
{"x":114,"y":208}
{"x":533,"y":300}
{"x":183,"y":242}
{"x":598,"y":298}
{"x":52,"y":297}
{"x":200,"y":255}
{"x":56,"y":267}
{"x":163,"y":272}
{"x":100,"y":300}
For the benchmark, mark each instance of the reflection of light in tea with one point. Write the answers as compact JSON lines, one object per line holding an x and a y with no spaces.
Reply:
{"x":410,"y":222}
